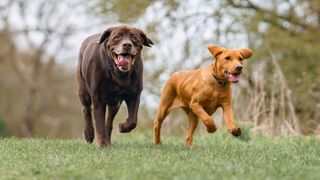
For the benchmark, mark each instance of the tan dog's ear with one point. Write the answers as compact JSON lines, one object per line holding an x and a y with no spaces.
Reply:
{"x":215,"y":50}
{"x":246,"y":53}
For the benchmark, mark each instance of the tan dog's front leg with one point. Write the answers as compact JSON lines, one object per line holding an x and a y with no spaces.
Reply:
{"x":204,"y":116}
{"x":228,"y":118}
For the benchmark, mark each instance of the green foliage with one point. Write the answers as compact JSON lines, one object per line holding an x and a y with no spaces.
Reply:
{"x":126,"y":11}
{"x":216,"y":156}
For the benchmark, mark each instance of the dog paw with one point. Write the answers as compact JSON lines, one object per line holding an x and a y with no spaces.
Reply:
{"x":88,"y":135}
{"x":236,"y":132}
{"x":103,"y":143}
{"x":211,"y":129}
{"x":125,"y":127}
{"x":191,"y":146}
{"x":156,"y":141}
{"x":103,"y":146}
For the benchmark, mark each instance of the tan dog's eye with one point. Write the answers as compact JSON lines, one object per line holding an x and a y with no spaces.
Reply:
{"x":227,"y":58}
{"x":240,"y":58}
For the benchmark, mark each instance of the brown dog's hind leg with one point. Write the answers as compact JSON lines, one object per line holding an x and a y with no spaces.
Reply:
{"x":87,"y":112}
{"x":88,"y":127}
{"x":99,"y":111}
{"x":167,"y":98}
{"x":193,"y":123}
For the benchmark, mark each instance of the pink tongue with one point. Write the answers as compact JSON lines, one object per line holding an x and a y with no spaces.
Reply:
{"x":233,"y":78}
{"x":123,"y":61}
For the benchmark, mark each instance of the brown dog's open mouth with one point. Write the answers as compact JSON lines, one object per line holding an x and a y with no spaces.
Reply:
{"x":123,"y":61}
{"x":232,"y":77}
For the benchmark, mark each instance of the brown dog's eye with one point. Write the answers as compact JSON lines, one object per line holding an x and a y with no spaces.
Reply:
{"x":117,"y":38}
{"x":240,"y":58}
{"x":134,"y":38}
{"x":227,"y":58}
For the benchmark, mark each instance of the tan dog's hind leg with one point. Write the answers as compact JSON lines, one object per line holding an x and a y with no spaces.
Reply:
{"x":193,"y":123}
{"x":161,"y":115}
{"x":167,"y":98}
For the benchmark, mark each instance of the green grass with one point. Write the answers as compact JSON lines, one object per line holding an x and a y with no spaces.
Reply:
{"x":133,"y":156}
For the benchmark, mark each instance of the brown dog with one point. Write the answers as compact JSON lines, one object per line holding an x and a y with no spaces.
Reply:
{"x":109,"y":72}
{"x":200,"y":92}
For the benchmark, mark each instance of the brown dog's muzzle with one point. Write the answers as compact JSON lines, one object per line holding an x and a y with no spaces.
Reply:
{"x":124,"y":61}
{"x":123,"y":55}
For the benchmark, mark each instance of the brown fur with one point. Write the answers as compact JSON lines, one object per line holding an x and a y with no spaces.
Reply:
{"x":102,"y":83}
{"x":200,"y":92}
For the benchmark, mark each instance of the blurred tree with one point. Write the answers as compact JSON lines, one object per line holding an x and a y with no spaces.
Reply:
{"x":44,"y":106}
{"x":285,"y":38}
{"x":38,"y":95}
{"x":291,"y":29}
{"x":125,"y":11}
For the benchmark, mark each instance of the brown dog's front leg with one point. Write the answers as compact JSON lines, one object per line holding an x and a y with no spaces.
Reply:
{"x":133,"y":107}
{"x":228,"y":118}
{"x":112,"y":111}
{"x":99,"y":110}
{"x":204,"y":116}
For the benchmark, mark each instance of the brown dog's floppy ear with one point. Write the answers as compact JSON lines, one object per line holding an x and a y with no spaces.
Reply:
{"x":246,"y":53}
{"x":215,"y":50}
{"x":145,"y":40}
{"x":105,"y":35}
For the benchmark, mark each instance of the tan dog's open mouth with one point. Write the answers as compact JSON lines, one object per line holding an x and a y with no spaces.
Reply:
{"x":232,"y":77}
{"x":123,"y":61}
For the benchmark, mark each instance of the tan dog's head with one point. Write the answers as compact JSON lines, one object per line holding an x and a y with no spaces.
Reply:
{"x":228,"y":63}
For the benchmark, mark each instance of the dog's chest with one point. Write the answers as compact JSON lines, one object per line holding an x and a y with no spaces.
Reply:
{"x":115,"y":89}
{"x":213,"y":98}
{"x":113,"y":93}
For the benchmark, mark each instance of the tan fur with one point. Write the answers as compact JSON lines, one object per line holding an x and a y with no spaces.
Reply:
{"x":199,"y":93}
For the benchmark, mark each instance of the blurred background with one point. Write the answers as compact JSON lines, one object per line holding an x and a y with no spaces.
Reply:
{"x":278,"y":94}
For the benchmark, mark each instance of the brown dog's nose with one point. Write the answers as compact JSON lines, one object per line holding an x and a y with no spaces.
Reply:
{"x":239,"y":68}
{"x":127,"y":45}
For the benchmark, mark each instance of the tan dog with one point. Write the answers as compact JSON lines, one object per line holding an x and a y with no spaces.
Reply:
{"x":200,"y":92}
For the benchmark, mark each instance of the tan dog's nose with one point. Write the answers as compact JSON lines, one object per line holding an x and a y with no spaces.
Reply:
{"x":239,"y":68}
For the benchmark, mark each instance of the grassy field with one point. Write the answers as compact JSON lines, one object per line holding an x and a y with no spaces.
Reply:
{"x":133,"y":156}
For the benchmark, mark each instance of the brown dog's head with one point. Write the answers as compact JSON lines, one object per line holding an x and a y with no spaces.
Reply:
{"x":228,"y":63}
{"x":124,"y":45}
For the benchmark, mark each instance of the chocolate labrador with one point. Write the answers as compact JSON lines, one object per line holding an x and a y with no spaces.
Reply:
{"x":109,"y":72}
